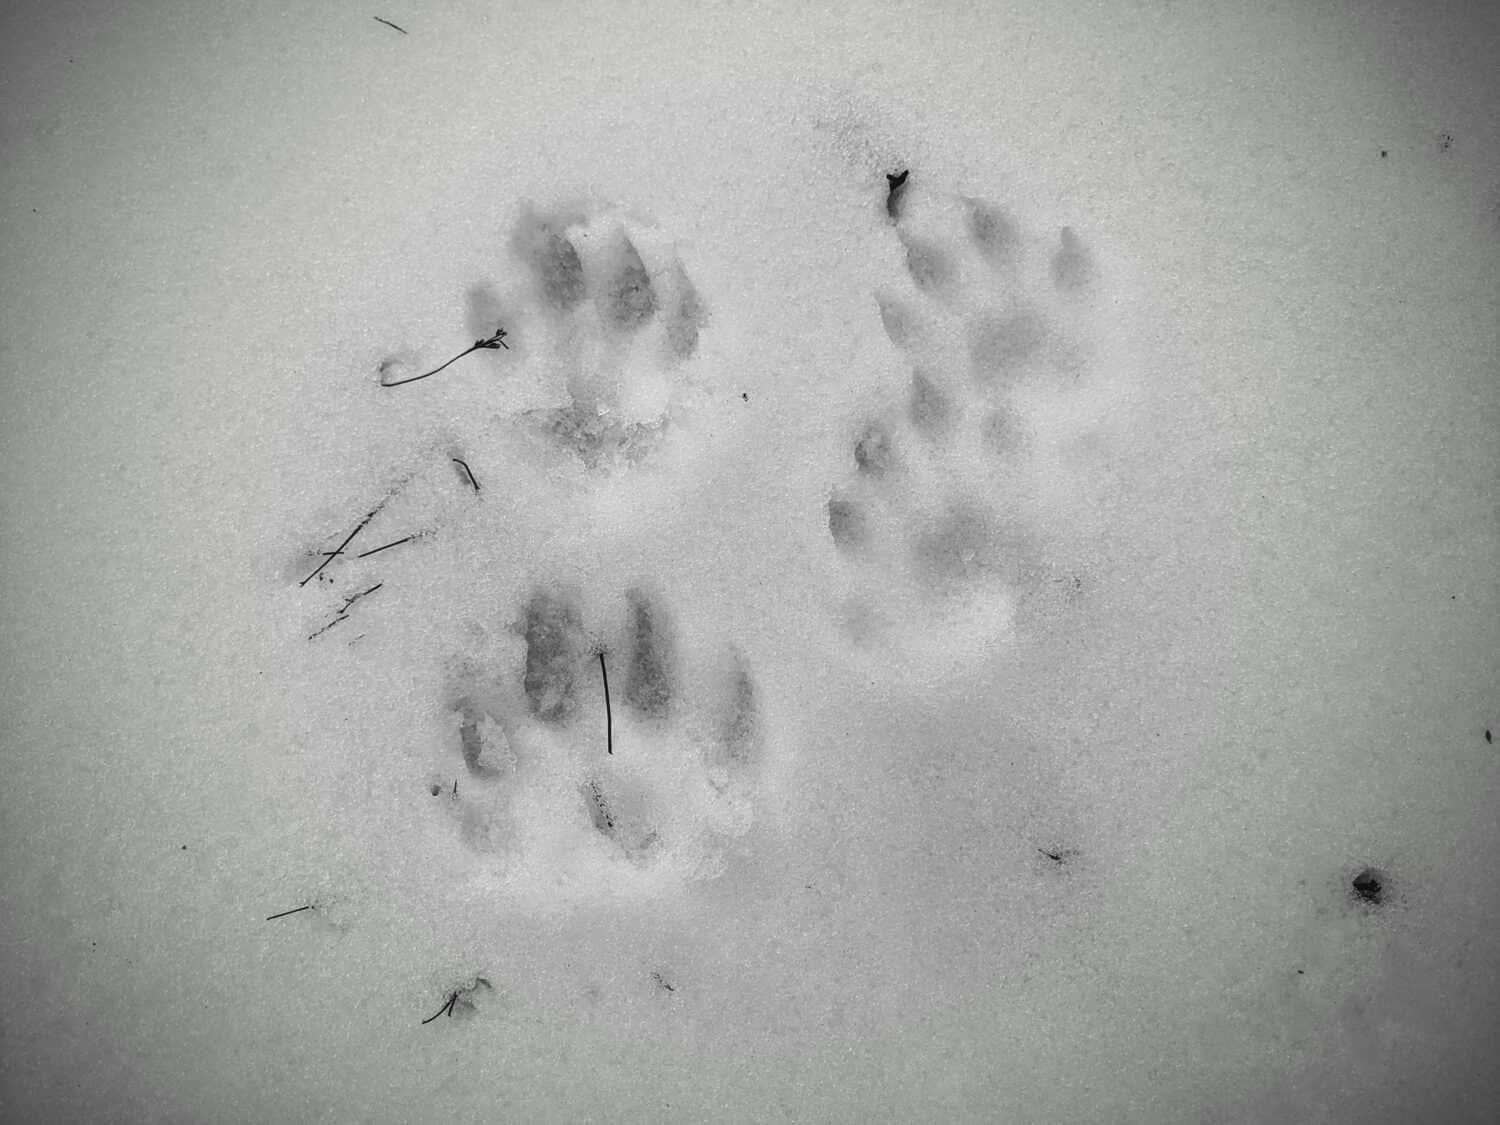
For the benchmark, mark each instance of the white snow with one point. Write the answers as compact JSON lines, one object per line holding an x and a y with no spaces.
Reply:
{"x":1027,"y":782}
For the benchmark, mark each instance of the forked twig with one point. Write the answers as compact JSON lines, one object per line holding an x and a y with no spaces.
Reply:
{"x":462,"y":993}
{"x":448,"y":1007}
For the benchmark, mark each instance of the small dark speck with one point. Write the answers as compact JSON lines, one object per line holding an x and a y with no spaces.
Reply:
{"x":435,"y":790}
{"x":1299,"y":972}
{"x":184,"y":847}
{"x":1369,"y":886}
{"x":1445,"y":141}
{"x":745,"y":395}
{"x":1382,"y":154}
{"x":1488,"y":737}
{"x":896,"y":189}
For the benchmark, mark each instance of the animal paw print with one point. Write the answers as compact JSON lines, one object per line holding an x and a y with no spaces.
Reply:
{"x":593,"y":751}
{"x":1003,"y":349}
{"x":613,"y":324}
{"x":599,"y":333}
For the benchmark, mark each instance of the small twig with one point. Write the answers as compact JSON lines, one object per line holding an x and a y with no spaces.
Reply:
{"x":491,"y":342}
{"x":469,"y":471}
{"x":343,"y":613}
{"x":388,"y":23}
{"x":387,"y":547}
{"x":465,"y":993}
{"x":448,"y":1007}
{"x":609,"y":719}
{"x":284,"y":913}
{"x":352,"y":598}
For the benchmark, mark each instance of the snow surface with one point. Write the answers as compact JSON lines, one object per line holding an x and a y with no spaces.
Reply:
{"x":1035,"y":605}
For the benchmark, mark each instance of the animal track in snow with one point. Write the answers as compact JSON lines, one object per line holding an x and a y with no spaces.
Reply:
{"x":603,"y":325}
{"x":939,"y":519}
{"x":540,"y":801}
{"x":587,"y":420}
{"x":612,"y":376}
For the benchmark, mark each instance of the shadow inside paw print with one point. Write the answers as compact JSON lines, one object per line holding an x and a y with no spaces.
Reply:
{"x":554,"y":645}
{"x":651,"y":669}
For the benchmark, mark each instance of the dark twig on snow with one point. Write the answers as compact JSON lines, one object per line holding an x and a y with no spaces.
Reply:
{"x":489,"y":342}
{"x":388,"y":23}
{"x":609,"y":719}
{"x":284,"y":913}
{"x":463,"y":993}
{"x":468,"y":471}
{"x":343,"y":613}
{"x":448,"y":1008}
{"x":387,"y":547}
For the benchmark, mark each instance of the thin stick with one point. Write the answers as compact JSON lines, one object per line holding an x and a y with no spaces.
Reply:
{"x":284,"y":913}
{"x":343,"y":613}
{"x":495,"y":341}
{"x":609,"y":719}
{"x":352,"y":598}
{"x":387,"y":547}
{"x":388,"y":23}
{"x":465,"y":464}
{"x":448,"y":1007}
